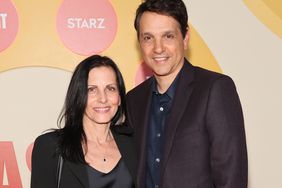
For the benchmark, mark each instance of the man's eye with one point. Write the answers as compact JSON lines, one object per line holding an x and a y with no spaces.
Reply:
{"x":147,"y":38}
{"x":170,"y":36}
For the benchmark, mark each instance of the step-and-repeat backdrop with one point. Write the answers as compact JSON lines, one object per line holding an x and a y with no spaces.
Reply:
{"x":42,"y":41}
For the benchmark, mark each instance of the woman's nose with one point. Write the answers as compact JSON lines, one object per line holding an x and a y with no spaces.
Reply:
{"x":102,"y":97}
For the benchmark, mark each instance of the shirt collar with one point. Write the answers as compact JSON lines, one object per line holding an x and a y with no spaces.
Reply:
{"x":171,"y":90}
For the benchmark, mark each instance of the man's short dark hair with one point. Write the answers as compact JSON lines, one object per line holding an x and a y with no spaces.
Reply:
{"x":173,"y":8}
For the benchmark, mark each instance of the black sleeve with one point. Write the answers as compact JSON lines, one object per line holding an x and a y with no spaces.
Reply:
{"x":44,"y":162}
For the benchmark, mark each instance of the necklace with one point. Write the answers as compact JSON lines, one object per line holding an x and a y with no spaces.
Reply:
{"x":106,"y":142}
{"x":101,"y":146}
{"x":104,"y":158}
{"x":105,"y":152}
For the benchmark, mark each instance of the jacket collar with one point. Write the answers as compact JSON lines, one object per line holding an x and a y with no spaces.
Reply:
{"x":182,"y":95}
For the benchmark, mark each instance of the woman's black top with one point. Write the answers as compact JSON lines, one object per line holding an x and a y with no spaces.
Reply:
{"x":118,"y":177}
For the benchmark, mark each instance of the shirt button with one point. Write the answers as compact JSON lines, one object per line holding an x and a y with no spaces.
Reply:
{"x":158,"y":160}
{"x":158,"y":134}
{"x":161,"y":109}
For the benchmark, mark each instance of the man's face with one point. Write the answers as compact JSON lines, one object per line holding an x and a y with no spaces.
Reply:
{"x":162,"y":44}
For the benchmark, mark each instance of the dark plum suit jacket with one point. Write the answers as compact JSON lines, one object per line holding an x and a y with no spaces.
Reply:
{"x":205,"y":145}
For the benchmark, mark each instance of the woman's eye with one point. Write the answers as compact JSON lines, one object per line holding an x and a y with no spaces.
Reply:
{"x":91,"y":89}
{"x":112,"y":89}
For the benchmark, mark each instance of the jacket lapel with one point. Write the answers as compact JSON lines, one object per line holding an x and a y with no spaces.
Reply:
{"x":79,"y":171}
{"x":122,"y":135}
{"x":143,"y":112}
{"x":180,"y":101}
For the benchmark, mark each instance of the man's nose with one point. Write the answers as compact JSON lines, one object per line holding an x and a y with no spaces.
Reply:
{"x":158,"y":46}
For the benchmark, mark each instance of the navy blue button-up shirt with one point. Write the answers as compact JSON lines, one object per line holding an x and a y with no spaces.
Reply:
{"x":160,"y":108}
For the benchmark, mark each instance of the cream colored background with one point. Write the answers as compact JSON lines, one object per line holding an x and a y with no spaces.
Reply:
{"x":225,"y":36}
{"x":251,"y":54}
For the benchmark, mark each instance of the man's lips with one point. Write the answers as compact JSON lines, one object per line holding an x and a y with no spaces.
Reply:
{"x":160,"y":59}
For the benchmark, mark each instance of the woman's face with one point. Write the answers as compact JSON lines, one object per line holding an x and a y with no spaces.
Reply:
{"x":103,"y":96}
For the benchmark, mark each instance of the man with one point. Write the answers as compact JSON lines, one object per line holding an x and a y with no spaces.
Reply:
{"x":188,"y":121}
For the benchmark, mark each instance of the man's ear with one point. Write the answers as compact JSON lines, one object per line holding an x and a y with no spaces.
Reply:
{"x":186,"y":39}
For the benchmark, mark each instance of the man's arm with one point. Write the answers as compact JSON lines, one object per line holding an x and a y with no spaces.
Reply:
{"x":225,"y":125}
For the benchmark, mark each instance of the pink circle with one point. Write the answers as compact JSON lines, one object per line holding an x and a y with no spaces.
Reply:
{"x":87,"y":27}
{"x":28,"y":156}
{"x":8,"y":24}
{"x":143,"y":73}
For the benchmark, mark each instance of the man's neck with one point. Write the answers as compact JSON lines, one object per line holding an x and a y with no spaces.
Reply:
{"x":164,"y":82}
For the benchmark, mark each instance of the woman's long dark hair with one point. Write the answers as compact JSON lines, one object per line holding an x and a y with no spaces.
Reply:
{"x":72,"y":134}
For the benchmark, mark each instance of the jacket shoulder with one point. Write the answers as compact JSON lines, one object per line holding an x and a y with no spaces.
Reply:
{"x":138,"y":90}
{"x":210,"y":77}
{"x":46,"y":143}
{"x":202,"y":73}
{"x":47,"y":137}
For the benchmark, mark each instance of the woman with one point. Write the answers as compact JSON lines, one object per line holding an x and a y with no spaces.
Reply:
{"x":96,"y":146}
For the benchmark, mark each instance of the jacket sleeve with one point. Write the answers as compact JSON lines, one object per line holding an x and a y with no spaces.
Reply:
{"x":44,"y":165}
{"x":225,"y":126}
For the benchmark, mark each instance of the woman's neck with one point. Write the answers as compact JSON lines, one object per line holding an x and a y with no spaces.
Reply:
{"x":99,"y":133}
